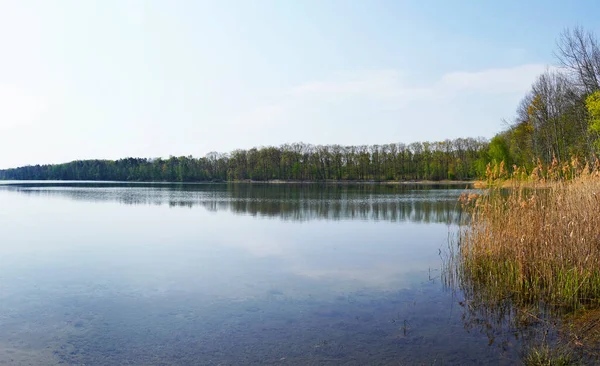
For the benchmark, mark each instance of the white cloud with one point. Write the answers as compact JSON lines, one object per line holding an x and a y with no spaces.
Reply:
{"x":377,"y":84}
{"x":493,"y":81}
{"x":459,"y":103}
{"x":391,"y":84}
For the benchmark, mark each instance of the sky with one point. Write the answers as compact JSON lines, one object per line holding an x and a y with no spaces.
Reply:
{"x":109,"y":79}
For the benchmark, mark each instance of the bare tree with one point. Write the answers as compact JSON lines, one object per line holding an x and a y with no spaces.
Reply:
{"x":578,"y":51}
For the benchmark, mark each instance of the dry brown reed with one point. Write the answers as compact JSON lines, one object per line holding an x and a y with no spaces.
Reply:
{"x":537,"y":241}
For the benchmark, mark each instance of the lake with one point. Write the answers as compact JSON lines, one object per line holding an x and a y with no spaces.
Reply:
{"x":230,"y":274}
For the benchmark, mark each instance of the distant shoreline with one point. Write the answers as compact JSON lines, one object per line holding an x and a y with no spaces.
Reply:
{"x":248,"y":181}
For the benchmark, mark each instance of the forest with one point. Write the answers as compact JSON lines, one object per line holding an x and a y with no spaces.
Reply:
{"x":558,"y":119}
{"x":450,"y":159}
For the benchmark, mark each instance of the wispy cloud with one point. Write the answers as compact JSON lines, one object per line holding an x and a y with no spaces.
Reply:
{"x":386,"y":96}
{"x":379,"y":84}
{"x":391,"y":84}
{"x":493,"y":81}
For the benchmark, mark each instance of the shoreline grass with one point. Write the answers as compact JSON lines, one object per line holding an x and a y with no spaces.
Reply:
{"x":538,"y":240}
{"x":527,"y":256}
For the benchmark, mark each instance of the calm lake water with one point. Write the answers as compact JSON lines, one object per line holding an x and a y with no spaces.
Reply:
{"x":218,"y":274}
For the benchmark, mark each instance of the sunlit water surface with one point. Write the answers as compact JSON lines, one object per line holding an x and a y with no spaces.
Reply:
{"x":216,"y":274}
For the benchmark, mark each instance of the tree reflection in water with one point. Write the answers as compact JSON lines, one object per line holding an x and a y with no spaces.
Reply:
{"x":291,"y":202}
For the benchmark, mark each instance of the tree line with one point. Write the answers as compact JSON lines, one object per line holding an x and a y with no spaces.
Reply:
{"x":450,"y":159}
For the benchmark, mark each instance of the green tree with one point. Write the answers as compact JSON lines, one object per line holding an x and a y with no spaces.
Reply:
{"x":592,"y":103}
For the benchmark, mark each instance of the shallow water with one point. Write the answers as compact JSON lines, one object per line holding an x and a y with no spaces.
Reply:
{"x":217,"y":274}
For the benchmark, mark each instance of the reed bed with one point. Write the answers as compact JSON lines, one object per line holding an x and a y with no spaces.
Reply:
{"x":534,"y":238}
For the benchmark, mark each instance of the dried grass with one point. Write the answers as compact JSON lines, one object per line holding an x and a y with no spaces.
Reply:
{"x":539,"y":239}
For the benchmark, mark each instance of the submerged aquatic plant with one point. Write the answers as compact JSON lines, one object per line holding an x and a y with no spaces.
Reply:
{"x":546,"y":356}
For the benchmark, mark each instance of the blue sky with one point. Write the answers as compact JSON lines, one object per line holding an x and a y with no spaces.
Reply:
{"x":111,"y":78}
